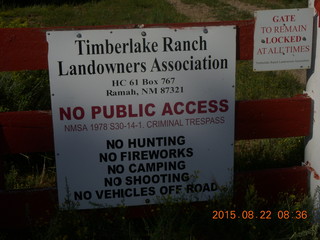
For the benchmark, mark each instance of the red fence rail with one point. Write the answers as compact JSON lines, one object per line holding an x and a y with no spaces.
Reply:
{"x":25,"y":132}
{"x":27,"y":48}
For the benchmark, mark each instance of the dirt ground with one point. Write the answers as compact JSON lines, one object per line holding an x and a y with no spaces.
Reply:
{"x":203,"y":13}
{"x":197,"y":13}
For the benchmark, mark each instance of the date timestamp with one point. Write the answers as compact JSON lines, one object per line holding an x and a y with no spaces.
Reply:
{"x":262,"y":215}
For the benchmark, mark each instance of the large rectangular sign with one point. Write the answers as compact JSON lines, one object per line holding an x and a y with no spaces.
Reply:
{"x":283,"y":39}
{"x":139,"y":114}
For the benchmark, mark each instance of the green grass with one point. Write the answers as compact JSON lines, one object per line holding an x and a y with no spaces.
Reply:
{"x":265,"y":85}
{"x":223,"y":11}
{"x":25,"y":171}
{"x":268,"y":153}
{"x":111,"y":12}
{"x":25,"y":90}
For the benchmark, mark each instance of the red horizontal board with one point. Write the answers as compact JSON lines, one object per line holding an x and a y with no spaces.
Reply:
{"x":26,"y":132}
{"x":23,"y":208}
{"x":273,"y":118}
{"x":27,"y":48}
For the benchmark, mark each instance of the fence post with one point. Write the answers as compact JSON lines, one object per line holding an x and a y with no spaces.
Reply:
{"x":312,"y":149}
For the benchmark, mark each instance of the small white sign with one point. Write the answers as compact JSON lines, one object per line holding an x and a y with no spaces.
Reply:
{"x":142,"y":113}
{"x":283,"y":39}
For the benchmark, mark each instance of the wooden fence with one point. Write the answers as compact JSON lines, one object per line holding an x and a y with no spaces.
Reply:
{"x":31,"y":131}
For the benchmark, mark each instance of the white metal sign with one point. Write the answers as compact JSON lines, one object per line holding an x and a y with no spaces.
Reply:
{"x":142,"y":113}
{"x":283,"y":39}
